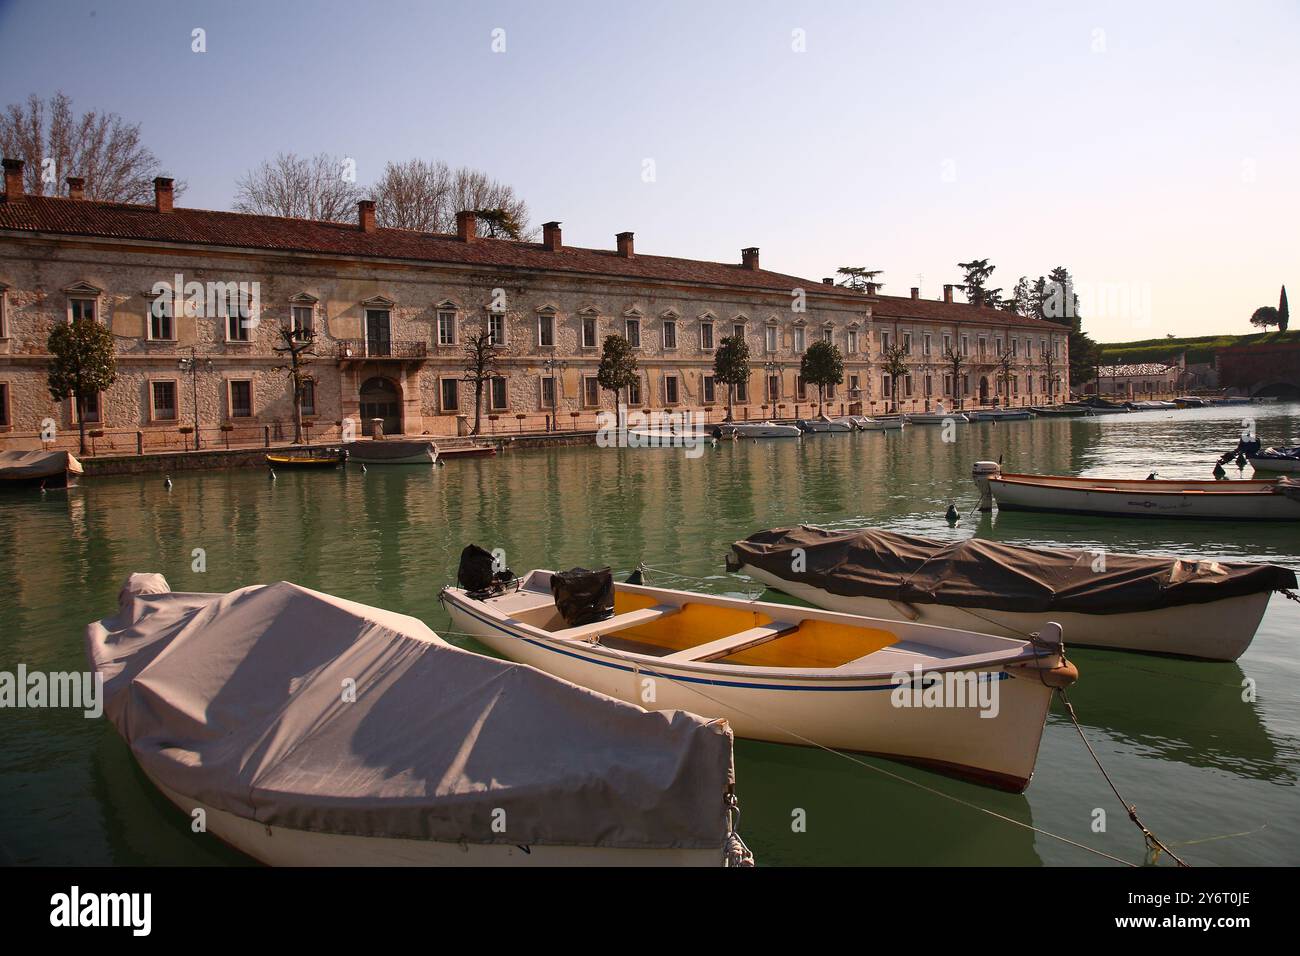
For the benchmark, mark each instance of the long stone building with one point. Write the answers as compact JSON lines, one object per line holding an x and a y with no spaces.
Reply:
{"x":196,"y":300}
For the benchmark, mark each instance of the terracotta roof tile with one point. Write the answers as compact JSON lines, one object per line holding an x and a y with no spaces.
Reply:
{"x":65,"y":216}
{"x":905,"y":308}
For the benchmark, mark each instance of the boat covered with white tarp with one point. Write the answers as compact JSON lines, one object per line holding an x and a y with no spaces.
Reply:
{"x":46,"y":469}
{"x":314,"y":730}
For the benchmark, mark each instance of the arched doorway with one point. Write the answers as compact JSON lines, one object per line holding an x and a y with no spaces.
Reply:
{"x":984,"y":390}
{"x":381,"y":398}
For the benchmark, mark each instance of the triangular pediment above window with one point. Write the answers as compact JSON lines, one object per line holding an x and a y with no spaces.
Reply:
{"x":670,"y":314}
{"x":590,"y":312}
{"x":740,"y":317}
{"x":632,"y":313}
{"x":447,"y":304}
{"x":84,"y":288}
{"x":800,"y":323}
{"x":303,"y":298}
{"x":853,"y":326}
{"x":707,"y":316}
{"x":378,"y":302}
{"x":546,"y":309}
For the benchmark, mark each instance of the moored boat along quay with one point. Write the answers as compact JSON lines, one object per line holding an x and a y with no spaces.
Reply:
{"x":1207,"y":750}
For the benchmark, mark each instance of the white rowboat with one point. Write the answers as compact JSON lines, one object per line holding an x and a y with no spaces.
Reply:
{"x":758,"y":430}
{"x":1254,"y":500}
{"x":791,"y":674}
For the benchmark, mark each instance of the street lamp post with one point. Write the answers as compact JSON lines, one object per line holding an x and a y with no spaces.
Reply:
{"x":551,"y":365}
{"x":190,"y":364}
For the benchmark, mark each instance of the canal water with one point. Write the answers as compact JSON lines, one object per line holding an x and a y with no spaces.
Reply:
{"x":1213,"y":774}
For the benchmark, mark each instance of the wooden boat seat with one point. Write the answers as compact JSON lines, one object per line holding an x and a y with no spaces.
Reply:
{"x":617,"y":623}
{"x":732,"y":643}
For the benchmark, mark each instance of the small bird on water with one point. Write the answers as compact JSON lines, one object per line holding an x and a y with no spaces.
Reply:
{"x":272,"y":471}
{"x":167,"y":482}
{"x":952,"y":515}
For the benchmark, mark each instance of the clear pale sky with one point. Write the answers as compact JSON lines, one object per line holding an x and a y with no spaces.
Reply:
{"x":1152,"y":148}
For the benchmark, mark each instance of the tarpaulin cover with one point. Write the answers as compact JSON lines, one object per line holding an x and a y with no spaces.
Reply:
{"x":37,"y":464}
{"x":238,"y":701}
{"x":1004,"y":577}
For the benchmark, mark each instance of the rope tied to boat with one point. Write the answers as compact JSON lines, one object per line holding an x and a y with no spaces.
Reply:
{"x":736,"y":852}
{"x":1290,"y":595}
{"x":1154,"y":846}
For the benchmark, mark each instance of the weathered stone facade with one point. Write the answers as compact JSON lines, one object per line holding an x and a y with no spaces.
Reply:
{"x":377,"y":320}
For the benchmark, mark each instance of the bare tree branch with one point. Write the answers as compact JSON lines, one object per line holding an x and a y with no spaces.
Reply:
{"x":299,"y":187}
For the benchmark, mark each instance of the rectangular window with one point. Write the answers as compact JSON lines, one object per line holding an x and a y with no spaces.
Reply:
{"x":670,"y":390}
{"x":742,"y":392}
{"x":710,"y":390}
{"x":161,"y":328}
{"x":236,"y":329}
{"x":634,"y":394}
{"x":965,"y":345}
{"x":770,"y":338}
{"x":925,"y":344}
{"x":241,"y":399}
{"x":81,"y":310}
{"x":983,"y":347}
{"x":884,"y":386}
{"x":163,"y":401}
{"x":947,"y":384}
{"x":706,"y":336}
{"x":907,"y":385}
{"x":1015,"y":384}
{"x":773,"y":387}
{"x":798,"y":340}
{"x":545,"y":330}
{"x":548,"y":392}
{"x":965,"y":385}
{"x":884,"y":341}
{"x":4,"y":405}
{"x":590,"y":391}
{"x":670,"y":334}
{"x":449,"y":394}
{"x":309,"y":398}
{"x":851,"y":342}
{"x":800,"y":389}
{"x":907,"y":343}
{"x":446,"y":328}
{"x":997,"y":346}
{"x":497,"y":394}
{"x":589,"y":332}
{"x":634,"y":333}
{"x":830,"y":390}
{"x":303,"y":318}
{"x":738,"y":330}
{"x":929,"y":387}
{"x":4,"y":314}
{"x":855,"y":390}
{"x":1015,"y":349}
{"x":828,"y":335}
{"x":497,"y":328}
{"x":947,"y":345}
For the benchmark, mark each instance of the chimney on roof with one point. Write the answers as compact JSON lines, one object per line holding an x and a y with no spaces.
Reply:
{"x":366,"y":215}
{"x":828,"y":281}
{"x":749,"y":258}
{"x":947,"y":293}
{"x":466,"y":226}
{"x":916,"y":292}
{"x":76,"y":187}
{"x":872,"y":288}
{"x":13,"y":179}
{"x":551,"y":240}
{"x":624,"y":240}
{"x":162,"y":194}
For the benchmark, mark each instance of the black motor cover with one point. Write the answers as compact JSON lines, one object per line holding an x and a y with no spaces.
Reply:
{"x":583,"y":596}
{"x":477,"y":573}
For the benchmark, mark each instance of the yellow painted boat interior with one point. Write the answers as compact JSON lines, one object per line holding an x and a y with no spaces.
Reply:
{"x":809,"y":643}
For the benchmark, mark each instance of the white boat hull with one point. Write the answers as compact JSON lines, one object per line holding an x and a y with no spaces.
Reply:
{"x":937,"y":419}
{"x":1169,"y":499}
{"x":784,"y":705}
{"x":880,"y":424}
{"x":1215,"y":631}
{"x":760,"y":430}
{"x":1007,"y":415}
{"x":281,"y":846}
{"x":1280,"y":465}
